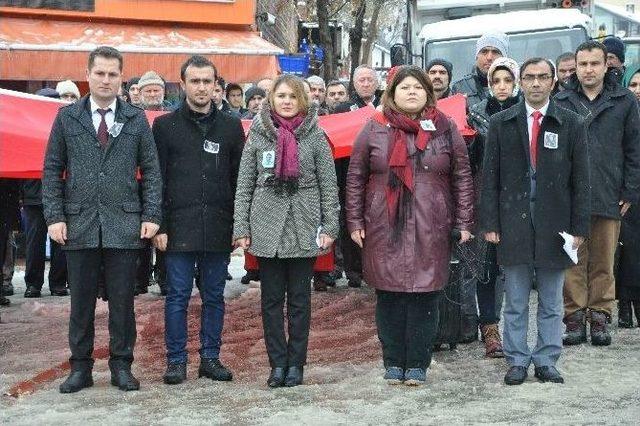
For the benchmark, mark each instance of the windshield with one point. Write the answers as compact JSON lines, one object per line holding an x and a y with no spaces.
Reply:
{"x":547,"y":44}
{"x":632,"y":52}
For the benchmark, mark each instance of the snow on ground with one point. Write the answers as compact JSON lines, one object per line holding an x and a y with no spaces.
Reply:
{"x":343,"y":380}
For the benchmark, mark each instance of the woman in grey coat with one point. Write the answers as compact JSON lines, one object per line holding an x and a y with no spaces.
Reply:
{"x":286,"y":214}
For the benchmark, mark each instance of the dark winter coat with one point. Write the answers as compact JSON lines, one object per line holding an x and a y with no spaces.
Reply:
{"x":198,"y":186}
{"x":473,"y":86}
{"x":99,"y":198}
{"x":613,"y":132}
{"x":354,"y":103}
{"x":562,"y":195}
{"x":478,"y":118}
{"x":442,"y":200}
{"x":32,"y":192}
{"x":9,"y":204}
{"x":629,"y":263}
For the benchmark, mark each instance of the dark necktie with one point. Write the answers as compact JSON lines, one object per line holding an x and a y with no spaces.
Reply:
{"x":103,"y":133}
{"x":535,"y":130}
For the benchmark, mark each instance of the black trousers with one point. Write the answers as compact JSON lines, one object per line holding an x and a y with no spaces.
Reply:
{"x":119,"y":274}
{"x":351,"y":255}
{"x":144,"y":268}
{"x":4,"y":238}
{"x":407,"y":327}
{"x":288,"y":278}
{"x":36,"y":240}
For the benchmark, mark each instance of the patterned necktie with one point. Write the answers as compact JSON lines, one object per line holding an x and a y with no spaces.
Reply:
{"x":535,"y":130}
{"x":103,"y":133}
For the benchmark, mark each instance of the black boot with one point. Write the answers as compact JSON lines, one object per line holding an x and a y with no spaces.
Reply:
{"x":636,"y":310}
{"x":625,"y":319}
{"x":276,"y":378}
{"x":294,"y":377}
{"x":175,"y":374}
{"x":124,"y":380}
{"x":576,"y":332}
{"x":77,"y":381}
{"x":213,"y":369}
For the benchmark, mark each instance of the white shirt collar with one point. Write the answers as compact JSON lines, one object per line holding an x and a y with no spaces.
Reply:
{"x":94,"y":105}
{"x":542,"y":110}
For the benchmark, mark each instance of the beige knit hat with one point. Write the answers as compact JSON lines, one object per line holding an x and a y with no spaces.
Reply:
{"x":150,"y":77}
{"x":67,"y":86}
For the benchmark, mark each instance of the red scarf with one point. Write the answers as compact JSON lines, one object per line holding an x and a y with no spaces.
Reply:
{"x":399,"y":191}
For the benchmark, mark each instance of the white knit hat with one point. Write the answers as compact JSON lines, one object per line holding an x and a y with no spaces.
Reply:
{"x":150,"y":77}
{"x":493,"y":39}
{"x":67,"y":86}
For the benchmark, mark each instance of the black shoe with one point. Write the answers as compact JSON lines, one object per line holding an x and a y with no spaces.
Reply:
{"x":319,"y":284}
{"x":354,"y":282}
{"x":599,"y":332}
{"x":124,"y":380}
{"x":636,"y":310}
{"x":276,"y":378}
{"x":625,"y":318}
{"x":213,"y":369}
{"x":251,"y":275}
{"x":141,"y":289}
{"x":175,"y":374}
{"x":576,"y":332}
{"x":548,"y":374}
{"x":4,"y":301}
{"x":515,"y":376}
{"x":77,"y":381}
{"x":468,"y":330}
{"x":7,"y":289}
{"x":294,"y":377}
{"x":59,"y":292}
{"x":32,"y":292}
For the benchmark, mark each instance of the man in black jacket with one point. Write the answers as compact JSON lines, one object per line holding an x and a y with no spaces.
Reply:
{"x":474,"y":85}
{"x":613,"y":130}
{"x":365,"y":85}
{"x":94,"y":209}
{"x":535,"y":185}
{"x":36,"y":238}
{"x":199,"y":148}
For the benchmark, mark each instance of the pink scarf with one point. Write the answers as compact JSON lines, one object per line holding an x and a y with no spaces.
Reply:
{"x":287,"y":164}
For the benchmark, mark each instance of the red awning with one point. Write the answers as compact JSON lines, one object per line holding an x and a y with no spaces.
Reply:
{"x":36,"y":49}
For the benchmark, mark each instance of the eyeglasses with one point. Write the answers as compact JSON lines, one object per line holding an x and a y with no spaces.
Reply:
{"x":542,"y":78}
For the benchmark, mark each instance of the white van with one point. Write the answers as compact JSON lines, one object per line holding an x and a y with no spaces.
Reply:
{"x":546,"y":33}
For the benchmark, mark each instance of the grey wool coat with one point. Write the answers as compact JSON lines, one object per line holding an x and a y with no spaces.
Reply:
{"x":95,"y":190}
{"x":281,"y":224}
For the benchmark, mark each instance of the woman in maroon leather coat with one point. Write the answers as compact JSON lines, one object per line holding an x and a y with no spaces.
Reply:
{"x":409,"y":185}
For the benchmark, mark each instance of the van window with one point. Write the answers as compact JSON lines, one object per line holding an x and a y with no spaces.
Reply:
{"x":547,"y":44}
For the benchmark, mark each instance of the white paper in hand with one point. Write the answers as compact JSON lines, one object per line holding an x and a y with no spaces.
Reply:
{"x":318,"y":242}
{"x":568,"y":247}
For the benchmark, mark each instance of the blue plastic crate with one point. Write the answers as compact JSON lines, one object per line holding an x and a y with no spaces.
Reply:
{"x":294,"y":64}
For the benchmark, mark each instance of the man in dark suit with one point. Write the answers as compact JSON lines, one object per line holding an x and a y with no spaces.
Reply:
{"x":94,"y":209}
{"x":535,"y":185}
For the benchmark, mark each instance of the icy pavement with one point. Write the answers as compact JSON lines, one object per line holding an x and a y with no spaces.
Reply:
{"x":343,"y":380}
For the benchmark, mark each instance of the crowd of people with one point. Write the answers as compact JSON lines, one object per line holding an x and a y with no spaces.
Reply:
{"x":556,"y":151}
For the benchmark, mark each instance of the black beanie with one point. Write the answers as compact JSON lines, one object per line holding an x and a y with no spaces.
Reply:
{"x":616,"y":46}
{"x":253,"y":91}
{"x":131,"y":82}
{"x":446,"y":64}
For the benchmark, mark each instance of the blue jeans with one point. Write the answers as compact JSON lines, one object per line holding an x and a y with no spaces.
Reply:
{"x":518,"y":286}
{"x":180,"y":271}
